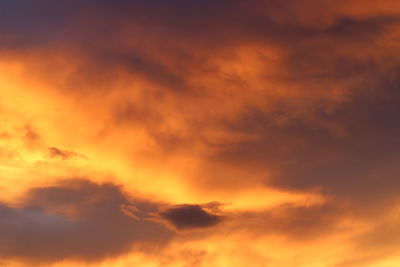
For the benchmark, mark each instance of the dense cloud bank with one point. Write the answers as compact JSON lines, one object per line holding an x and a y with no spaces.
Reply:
{"x":284,"y":111}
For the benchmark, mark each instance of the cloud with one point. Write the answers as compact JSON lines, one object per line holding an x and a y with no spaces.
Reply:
{"x":194,"y":101}
{"x":190,"y":217}
{"x":262,"y":83}
{"x":75,"y":220}
{"x":299,"y":224}
{"x":62,"y":154}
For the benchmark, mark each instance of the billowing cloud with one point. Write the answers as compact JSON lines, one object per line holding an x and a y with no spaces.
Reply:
{"x":285,"y":111}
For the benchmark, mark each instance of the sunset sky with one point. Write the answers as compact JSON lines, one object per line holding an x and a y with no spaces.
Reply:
{"x":200,"y":133}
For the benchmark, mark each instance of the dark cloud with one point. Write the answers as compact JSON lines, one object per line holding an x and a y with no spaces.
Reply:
{"x":302,"y":154}
{"x":76,"y":220}
{"x":349,"y":149}
{"x":187,"y":33}
{"x":190,"y":217}
{"x":55,"y":152}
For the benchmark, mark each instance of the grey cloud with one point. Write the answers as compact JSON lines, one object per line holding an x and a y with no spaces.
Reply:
{"x":190,"y":217}
{"x":77,"y":220}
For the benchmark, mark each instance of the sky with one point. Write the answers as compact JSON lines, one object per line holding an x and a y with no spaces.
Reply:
{"x":200,"y":133}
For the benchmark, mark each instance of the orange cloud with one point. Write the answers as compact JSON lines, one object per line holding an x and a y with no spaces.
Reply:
{"x":285,"y":113}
